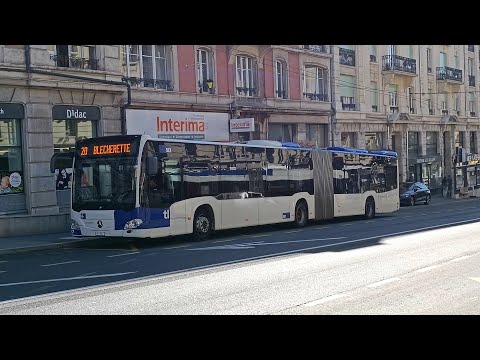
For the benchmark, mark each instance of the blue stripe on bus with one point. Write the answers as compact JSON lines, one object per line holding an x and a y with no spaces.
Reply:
{"x":151,"y":217}
{"x":223,"y":172}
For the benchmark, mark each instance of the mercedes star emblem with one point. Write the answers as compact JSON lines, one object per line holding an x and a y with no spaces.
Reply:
{"x":99,"y":223}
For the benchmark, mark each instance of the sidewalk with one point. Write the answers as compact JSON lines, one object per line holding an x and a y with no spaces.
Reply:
{"x":13,"y":244}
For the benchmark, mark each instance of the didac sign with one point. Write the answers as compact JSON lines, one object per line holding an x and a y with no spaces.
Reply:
{"x":242,"y":125}
{"x":71,"y":112}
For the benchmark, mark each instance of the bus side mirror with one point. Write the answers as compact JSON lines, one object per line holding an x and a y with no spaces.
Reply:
{"x":152,"y":165}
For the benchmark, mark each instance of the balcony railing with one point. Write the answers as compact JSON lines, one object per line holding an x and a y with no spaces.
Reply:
{"x":315,"y":96}
{"x":74,"y":62}
{"x":151,"y":83}
{"x":282,"y":94}
{"x":348,"y":103}
{"x":393,"y":109}
{"x":317,"y":48}
{"x":373,"y":58}
{"x":471,"y":80}
{"x":245,"y":91}
{"x":448,"y":73}
{"x":399,"y":63}
{"x":472,"y":113}
{"x":347,"y":56}
{"x":471,"y":48}
{"x":444,"y":112}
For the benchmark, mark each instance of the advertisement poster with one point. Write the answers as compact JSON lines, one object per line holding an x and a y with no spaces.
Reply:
{"x":178,"y":124}
{"x":63,"y":178}
{"x":11,"y":182}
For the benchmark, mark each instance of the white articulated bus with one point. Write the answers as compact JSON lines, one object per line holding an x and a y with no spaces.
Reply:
{"x":138,"y":186}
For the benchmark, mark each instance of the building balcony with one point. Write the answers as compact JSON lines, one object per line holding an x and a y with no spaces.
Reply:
{"x":75,"y":62}
{"x":150,"y":83}
{"x":471,"y":80}
{"x":348,"y":103}
{"x":347,"y":57}
{"x":395,"y":63}
{"x":323,"y":49}
{"x":373,"y":58}
{"x":449,"y":74}
{"x":314,"y":96}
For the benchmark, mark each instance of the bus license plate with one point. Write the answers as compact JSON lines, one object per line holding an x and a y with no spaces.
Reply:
{"x":100,"y":233}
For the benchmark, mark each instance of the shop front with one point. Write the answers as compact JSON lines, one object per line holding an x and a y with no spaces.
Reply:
{"x":70,"y":123}
{"x":466,"y":181}
{"x":12,"y":176}
{"x":427,"y":169}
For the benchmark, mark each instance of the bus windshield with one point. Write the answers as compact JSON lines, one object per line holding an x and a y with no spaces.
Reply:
{"x":106,"y":183}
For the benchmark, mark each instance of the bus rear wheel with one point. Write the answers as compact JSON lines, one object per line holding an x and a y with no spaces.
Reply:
{"x":202,"y":224}
{"x":369,"y":208}
{"x":301,"y":214}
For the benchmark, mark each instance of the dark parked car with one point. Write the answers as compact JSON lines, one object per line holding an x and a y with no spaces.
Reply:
{"x":412,"y":193}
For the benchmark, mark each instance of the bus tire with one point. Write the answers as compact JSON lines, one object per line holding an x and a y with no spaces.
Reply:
{"x":300,"y":217}
{"x":369,"y":208}
{"x":202,"y":224}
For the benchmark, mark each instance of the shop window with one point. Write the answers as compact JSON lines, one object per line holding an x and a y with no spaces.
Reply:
{"x":11,"y":169}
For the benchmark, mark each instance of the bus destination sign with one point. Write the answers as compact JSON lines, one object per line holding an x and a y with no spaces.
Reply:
{"x":105,"y":149}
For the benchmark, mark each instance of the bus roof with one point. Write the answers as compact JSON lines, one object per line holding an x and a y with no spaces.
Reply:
{"x":270,"y":144}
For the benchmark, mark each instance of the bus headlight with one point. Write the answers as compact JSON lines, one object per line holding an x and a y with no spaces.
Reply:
{"x":133,"y":224}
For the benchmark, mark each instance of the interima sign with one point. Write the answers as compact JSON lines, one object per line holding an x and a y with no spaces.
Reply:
{"x":242,"y":125}
{"x":178,"y":124}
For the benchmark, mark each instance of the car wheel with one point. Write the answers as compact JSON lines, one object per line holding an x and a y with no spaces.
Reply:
{"x":427,"y":201}
{"x":412,"y":201}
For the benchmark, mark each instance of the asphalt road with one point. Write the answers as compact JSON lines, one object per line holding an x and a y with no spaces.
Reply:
{"x":418,"y":260}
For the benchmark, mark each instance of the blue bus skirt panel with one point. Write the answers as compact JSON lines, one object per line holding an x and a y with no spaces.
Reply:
{"x":151,"y":217}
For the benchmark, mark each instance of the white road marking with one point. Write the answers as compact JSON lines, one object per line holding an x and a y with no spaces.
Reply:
{"x":428,"y":268}
{"x":132,"y":253}
{"x":2,"y":271}
{"x":322,"y":227}
{"x":90,"y":273}
{"x":388,"y":219}
{"x":252,"y":245}
{"x":350,"y":224}
{"x":176,"y":247}
{"x":66,"y":279}
{"x":408,"y":216}
{"x":460,"y":258}
{"x":383,"y":282}
{"x":62,"y":263}
{"x":369,"y":221}
{"x":3,"y":261}
{"x":255,"y":236}
{"x":292,"y":231}
{"x":324,"y":300}
{"x":219,"y":241}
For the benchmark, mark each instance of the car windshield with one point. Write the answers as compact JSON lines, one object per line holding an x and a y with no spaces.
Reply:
{"x":405,"y":186}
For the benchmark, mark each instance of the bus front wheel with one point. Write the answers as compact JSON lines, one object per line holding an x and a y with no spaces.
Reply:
{"x":301,"y":214}
{"x":202,"y":224}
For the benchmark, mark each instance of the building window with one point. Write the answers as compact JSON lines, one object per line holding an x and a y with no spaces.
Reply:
{"x":411,"y":100}
{"x":373,"y":53}
{"x":348,"y":139}
{"x":281,"y":78}
{"x":282,"y":132}
{"x":315,"y":83}
{"x":11,"y":169}
{"x":392,"y":98}
{"x":347,"y":92}
{"x":246,"y":82}
{"x":75,"y":56}
{"x":429,"y":60}
{"x":205,"y":71}
{"x":66,"y":132}
{"x":150,"y":66}
{"x":471,"y":104}
{"x":413,"y":144}
{"x":374,"y":96}
{"x":473,"y":142}
{"x":374,"y":141}
{"x":432,"y":143}
{"x":317,"y":135}
{"x":459,"y":139}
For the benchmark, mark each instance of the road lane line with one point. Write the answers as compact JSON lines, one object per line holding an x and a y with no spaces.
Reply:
{"x":324,"y":300}
{"x":132,"y":253}
{"x":428,"y":268}
{"x":461,"y":258}
{"x":292,"y":231}
{"x":322,"y":227}
{"x":369,"y":221}
{"x":3,"y":261}
{"x":388,"y":219}
{"x":66,"y":279}
{"x":62,"y":263}
{"x":350,"y":224}
{"x":219,"y":241}
{"x":383,"y":282}
{"x":255,"y":236}
{"x":3,"y":271}
{"x":176,"y":247}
